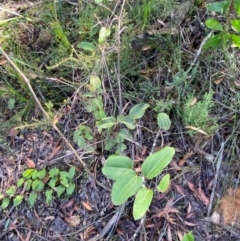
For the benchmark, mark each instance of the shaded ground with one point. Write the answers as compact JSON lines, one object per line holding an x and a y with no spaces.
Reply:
{"x":150,"y":72}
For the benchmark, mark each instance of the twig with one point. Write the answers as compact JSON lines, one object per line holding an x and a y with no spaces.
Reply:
{"x":218,"y":165}
{"x":199,"y":51}
{"x":49,"y":119}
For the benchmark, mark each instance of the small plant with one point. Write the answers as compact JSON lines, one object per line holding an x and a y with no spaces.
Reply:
{"x":188,"y":237}
{"x":230,"y":30}
{"x":128,"y":182}
{"x":35,"y":181}
{"x":197,"y":114}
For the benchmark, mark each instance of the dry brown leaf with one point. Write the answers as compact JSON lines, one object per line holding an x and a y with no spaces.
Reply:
{"x":190,"y":224}
{"x":203,"y":196}
{"x":237,"y":83}
{"x":218,"y":81}
{"x":13,"y":132}
{"x":193,"y":102}
{"x":87,"y":205}
{"x":30,"y":163}
{"x":175,"y":165}
{"x":185,"y":158}
{"x":179,"y":189}
{"x":73,"y":220}
{"x":215,"y":217}
{"x":197,"y":129}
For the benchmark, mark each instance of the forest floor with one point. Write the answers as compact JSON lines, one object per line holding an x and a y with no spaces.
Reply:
{"x":53,"y":54}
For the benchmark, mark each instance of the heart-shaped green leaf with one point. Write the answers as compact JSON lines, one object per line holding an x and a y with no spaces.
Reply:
{"x":155,"y":163}
{"x":138,"y":111}
{"x":125,"y":186}
{"x":142,"y":202}
{"x":127,"y":121}
{"x":213,"y":24}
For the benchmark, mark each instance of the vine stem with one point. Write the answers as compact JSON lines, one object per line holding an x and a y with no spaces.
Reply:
{"x":26,"y":80}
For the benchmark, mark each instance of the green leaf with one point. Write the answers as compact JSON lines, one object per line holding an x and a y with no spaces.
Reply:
{"x":11,"y":103}
{"x":11,"y":191}
{"x":237,"y":6}
{"x":32,"y":198}
{"x":95,"y":83}
{"x":106,"y":123}
{"x":28,"y":173}
{"x":164,"y":183}
{"x":60,"y":190}
{"x":37,"y":185}
{"x":20,"y":182}
{"x":54,"y":172}
{"x":124,"y":187}
{"x":213,"y":24}
{"x":64,"y":182}
{"x":123,"y":134}
{"x":103,"y":34}
{"x":29,"y":184}
{"x":217,"y":6}
{"x":71,"y":172}
{"x":35,"y":174}
{"x":214,"y":42}
{"x":48,"y":195}
{"x":138,"y":111}
{"x":86,"y":46}
{"x":235,"y":24}
{"x":5,"y":203}
{"x":188,"y":237}
{"x":52,"y":182}
{"x":42,"y":173}
{"x":142,"y":202}
{"x":163,"y":121}
{"x":155,"y":163}
{"x":117,"y":165}
{"x":70,"y":188}
{"x":127,"y":121}
{"x":17,"y":200}
{"x":235,"y":40}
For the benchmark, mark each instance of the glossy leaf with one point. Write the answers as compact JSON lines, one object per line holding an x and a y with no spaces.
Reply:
{"x":125,"y":186}
{"x":28,"y":173}
{"x":163,"y":121}
{"x":127,"y":121}
{"x":32,"y":198}
{"x":52,"y":182}
{"x":86,"y":46}
{"x":106,"y":123}
{"x":138,"y":111}
{"x":164,"y":183}
{"x":142,"y":202}
{"x":5,"y":203}
{"x":64,"y":182}
{"x":35,"y":174}
{"x":17,"y":200}
{"x":235,"y":40}
{"x":103,"y":34}
{"x":155,"y":163}
{"x":213,"y":24}
{"x":117,"y":165}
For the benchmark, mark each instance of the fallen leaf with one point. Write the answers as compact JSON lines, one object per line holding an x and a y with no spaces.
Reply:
{"x":215,"y":217}
{"x":13,"y":132}
{"x":193,"y":102}
{"x":237,"y":83}
{"x":175,"y":165}
{"x":190,"y":224}
{"x":218,"y":81}
{"x":185,"y":158}
{"x":87,"y":205}
{"x":179,"y":189}
{"x":73,"y":220}
{"x":169,"y":233}
{"x":197,"y":129}
{"x":203,"y":196}
{"x":30,"y":163}
{"x":28,"y":236}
